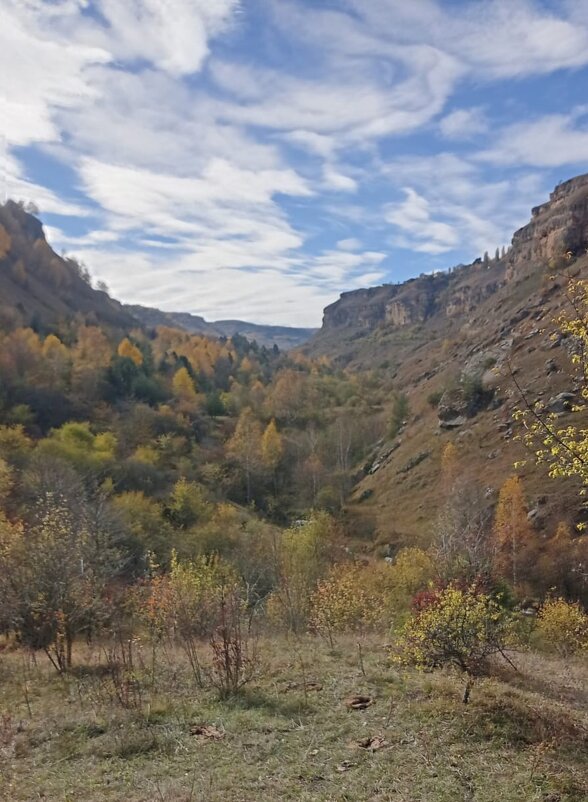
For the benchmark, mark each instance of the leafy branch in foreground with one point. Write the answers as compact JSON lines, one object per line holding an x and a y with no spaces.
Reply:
{"x":564,"y":449}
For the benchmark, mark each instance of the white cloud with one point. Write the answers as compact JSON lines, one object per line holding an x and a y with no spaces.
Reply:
{"x":347,"y":102}
{"x":172,"y":34}
{"x":230,"y":211}
{"x":317,"y":144}
{"x":463,"y":124}
{"x":272,"y":295}
{"x":351,"y":244}
{"x":14,"y":184}
{"x":333,"y":179}
{"x":492,"y":38}
{"x":413,"y":216}
{"x":551,"y":141}
{"x":459,"y":209}
{"x":40,"y":74}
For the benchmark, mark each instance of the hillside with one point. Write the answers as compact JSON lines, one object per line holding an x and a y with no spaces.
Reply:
{"x":472,"y":323}
{"x":285,"y":337}
{"x":38,"y":288}
{"x":41,"y":289}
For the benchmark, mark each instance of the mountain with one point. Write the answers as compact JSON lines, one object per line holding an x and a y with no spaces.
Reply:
{"x":285,"y":337}
{"x":38,"y":288}
{"x":450,"y":342}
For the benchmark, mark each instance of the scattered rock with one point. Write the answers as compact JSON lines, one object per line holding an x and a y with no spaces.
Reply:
{"x":550,"y":366}
{"x":416,"y":460}
{"x":453,"y":423}
{"x":560,"y":403}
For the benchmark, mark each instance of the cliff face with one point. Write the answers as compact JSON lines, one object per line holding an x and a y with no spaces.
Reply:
{"x":558,"y":230}
{"x":557,"y":227}
{"x":451,"y":343}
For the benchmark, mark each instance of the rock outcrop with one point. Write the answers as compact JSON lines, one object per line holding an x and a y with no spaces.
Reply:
{"x":558,"y":231}
{"x":557,"y":228}
{"x":465,"y":348}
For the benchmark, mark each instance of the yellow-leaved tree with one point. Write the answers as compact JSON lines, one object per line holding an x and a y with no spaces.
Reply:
{"x":272,"y":451}
{"x":559,"y":440}
{"x":564,"y":448}
{"x":449,"y":466}
{"x":245,"y":446}
{"x":512,"y":531}
{"x":183,"y":386}
{"x":272,"y":446}
{"x":130,"y":351}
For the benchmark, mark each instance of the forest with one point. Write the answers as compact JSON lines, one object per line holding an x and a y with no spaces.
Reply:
{"x":173,"y":528}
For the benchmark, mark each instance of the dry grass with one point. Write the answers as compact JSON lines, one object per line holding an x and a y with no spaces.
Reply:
{"x":523,"y":737}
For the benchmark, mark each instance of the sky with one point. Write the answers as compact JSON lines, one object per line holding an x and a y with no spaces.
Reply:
{"x":253,"y":159}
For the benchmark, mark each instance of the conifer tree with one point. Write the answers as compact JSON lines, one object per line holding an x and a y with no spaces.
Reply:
{"x":183,"y":385}
{"x":127,"y":349}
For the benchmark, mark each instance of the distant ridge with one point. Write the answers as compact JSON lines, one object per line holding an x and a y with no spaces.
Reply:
{"x":40,"y":289}
{"x":285,"y":337}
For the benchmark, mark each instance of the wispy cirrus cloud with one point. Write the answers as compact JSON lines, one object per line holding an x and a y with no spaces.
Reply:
{"x":552,"y":140}
{"x":240,"y":158}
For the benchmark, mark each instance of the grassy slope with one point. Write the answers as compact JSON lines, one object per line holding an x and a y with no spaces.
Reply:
{"x":400,"y":507}
{"x":522,"y":738}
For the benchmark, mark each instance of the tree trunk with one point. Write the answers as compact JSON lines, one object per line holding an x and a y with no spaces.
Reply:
{"x":68,"y":648}
{"x":467,"y":690}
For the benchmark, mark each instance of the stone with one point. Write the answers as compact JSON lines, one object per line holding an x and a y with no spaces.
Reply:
{"x":550,"y":366}
{"x":560,"y":403}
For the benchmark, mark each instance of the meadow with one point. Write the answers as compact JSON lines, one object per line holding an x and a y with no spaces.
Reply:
{"x":316,"y":723}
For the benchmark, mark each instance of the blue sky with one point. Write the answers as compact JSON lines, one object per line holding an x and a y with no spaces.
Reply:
{"x":255,"y":158}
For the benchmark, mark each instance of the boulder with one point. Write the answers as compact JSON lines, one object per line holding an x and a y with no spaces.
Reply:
{"x":560,"y":403}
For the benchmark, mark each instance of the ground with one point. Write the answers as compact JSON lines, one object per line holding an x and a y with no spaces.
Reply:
{"x":290,"y":734}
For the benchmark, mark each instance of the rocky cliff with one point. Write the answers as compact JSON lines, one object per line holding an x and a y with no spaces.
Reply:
{"x":557,"y":228}
{"x":450,"y":343}
{"x":557,"y":232}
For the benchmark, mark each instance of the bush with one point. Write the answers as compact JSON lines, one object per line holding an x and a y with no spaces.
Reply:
{"x":563,"y":626}
{"x":434,"y":398}
{"x":400,"y":412}
{"x":344,"y":602}
{"x":412,"y":571}
{"x":455,"y":627}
